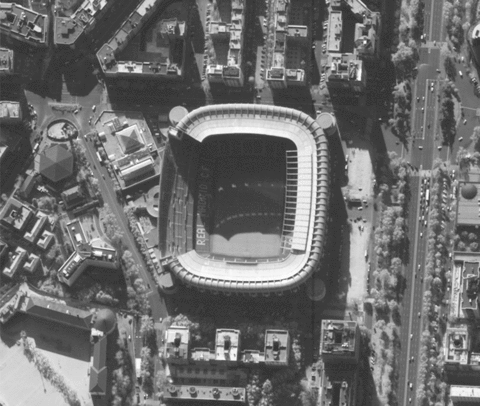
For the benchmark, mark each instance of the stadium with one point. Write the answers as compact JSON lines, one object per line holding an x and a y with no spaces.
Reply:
{"x":243,"y":200}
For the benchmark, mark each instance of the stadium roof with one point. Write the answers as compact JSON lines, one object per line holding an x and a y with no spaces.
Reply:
{"x":311,"y":205}
{"x":56,"y":163}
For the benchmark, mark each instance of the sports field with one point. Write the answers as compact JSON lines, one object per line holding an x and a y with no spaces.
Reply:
{"x":248,"y":196}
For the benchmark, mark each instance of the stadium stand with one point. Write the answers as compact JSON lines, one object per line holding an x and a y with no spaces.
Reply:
{"x":307,"y":199}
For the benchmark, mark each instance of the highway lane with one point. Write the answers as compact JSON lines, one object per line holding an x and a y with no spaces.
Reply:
{"x":436,"y":28}
{"x":106,"y":187}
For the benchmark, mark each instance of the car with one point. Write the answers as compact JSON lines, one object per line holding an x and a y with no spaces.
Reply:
{"x":420,"y":147}
{"x":460,"y":73}
{"x":460,"y":139}
{"x":423,"y":98}
{"x":160,"y":319}
{"x":434,"y":42}
{"x":423,"y":109}
{"x":421,"y":235}
{"x":419,"y":314}
{"x":129,"y":338}
{"x":412,"y":359}
{"x":465,"y":121}
{"x":425,"y":223}
{"x":418,"y":266}
{"x":409,"y":400}
{"x":439,"y":71}
{"x":94,"y":107}
{"x":411,"y":336}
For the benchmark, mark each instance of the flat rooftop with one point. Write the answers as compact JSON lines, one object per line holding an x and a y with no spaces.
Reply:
{"x":9,"y":110}
{"x":23,"y":22}
{"x":6,"y":60}
{"x":334,"y":35}
{"x":468,"y":211}
{"x":338,"y":336}
{"x":456,"y":350}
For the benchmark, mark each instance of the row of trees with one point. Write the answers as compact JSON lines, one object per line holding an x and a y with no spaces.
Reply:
{"x":436,"y":279}
{"x":48,"y":372}
{"x":453,"y":13}
{"x":122,"y":384}
{"x":141,"y":244}
{"x":402,"y":101}
{"x":390,"y":249}
{"x":111,"y":227}
{"x":448,"y":123}
{"x":149,"y":338}
{"x":136,"y":289}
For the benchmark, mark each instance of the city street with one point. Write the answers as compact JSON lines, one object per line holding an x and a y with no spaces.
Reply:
{"x":423,"y":151}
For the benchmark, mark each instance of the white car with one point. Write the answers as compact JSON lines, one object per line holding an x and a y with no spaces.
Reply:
{"x":460,"y":73}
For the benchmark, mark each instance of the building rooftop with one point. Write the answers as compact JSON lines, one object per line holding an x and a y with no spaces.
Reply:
{"x":470,"y":285}
{"x":338,"y":337}
{"x":457,"y":347}
{"x":16,"y":214}
{"x":25,"y":23}
{"x":297,"y":31}
{"x":56,"y":163}
{"x":334,"y":34}
{"x":10,"y":110}
{"x":221,"y":394}
{"x":468,"y":211}
{"x":6,"y":61}
{"x":68,"y":29}
{"x":344,"y":67}
{"x":226,"y":344}
{"x":177,"y":339}
{"x":277,"y":344}
{"x":15,"y":262}
{"x":338,"y":387}
{"x":467,"y":393}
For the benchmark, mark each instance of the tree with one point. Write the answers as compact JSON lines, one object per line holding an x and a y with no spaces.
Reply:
{"x":450,"y":68}
{"x":476,"y":138}
{"x":110,"y":225}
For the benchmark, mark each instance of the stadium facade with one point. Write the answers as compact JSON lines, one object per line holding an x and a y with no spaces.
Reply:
{"x":184,"y":200}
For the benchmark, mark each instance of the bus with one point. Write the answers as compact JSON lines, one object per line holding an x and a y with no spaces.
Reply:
{"x":427,"y":197}
{"x":99,"y":157}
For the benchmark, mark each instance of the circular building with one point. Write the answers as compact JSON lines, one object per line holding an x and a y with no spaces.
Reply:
{"x":473,"y":40}
{"x":328,"y":123}
{"x":244,"y":193}
{"x":152,"y":201}
{"x":56,"y":163}
{"x":104,"y":320}
{"x":177,"y":114}
{"x":469,"y":191}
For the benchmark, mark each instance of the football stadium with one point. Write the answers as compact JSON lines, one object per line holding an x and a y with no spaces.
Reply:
{"x":243,"y":201}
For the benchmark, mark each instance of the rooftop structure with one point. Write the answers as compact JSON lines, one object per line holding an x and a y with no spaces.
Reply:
{"x":23,"y":24}
{"x":304,"y":243}
{"x":197,"y":393}
{"x":339,"y":341}
{"x":167,"y":67}
{"x":67,"y":30}
{"x":177,"y":341}
{"x":465,"y":394}
{"x":6,"y":62}
{"x":334,"y":34}
{"x":56,"y":163}
{"x":227,"y":345}
{"x":346,"y":72}
{"x":73,"y":197}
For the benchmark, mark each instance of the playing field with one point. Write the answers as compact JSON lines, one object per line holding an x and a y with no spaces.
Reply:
{"x":248,"y":196}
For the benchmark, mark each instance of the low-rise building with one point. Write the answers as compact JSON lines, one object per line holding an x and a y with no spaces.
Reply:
{"x":198,"y":393}
{"x":45,"y":240}
{"x":32,"y":264}
{"x":10,"y":112}
{"x":277,"y":347}
{"x":16,"y":215}
{"x":15,"y":262}
{"x":7,"y":66}
{"x":461,"y":395}
{"x":73,"y":197}
{"x":227,"y":345}
{"x":177,"y":341}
